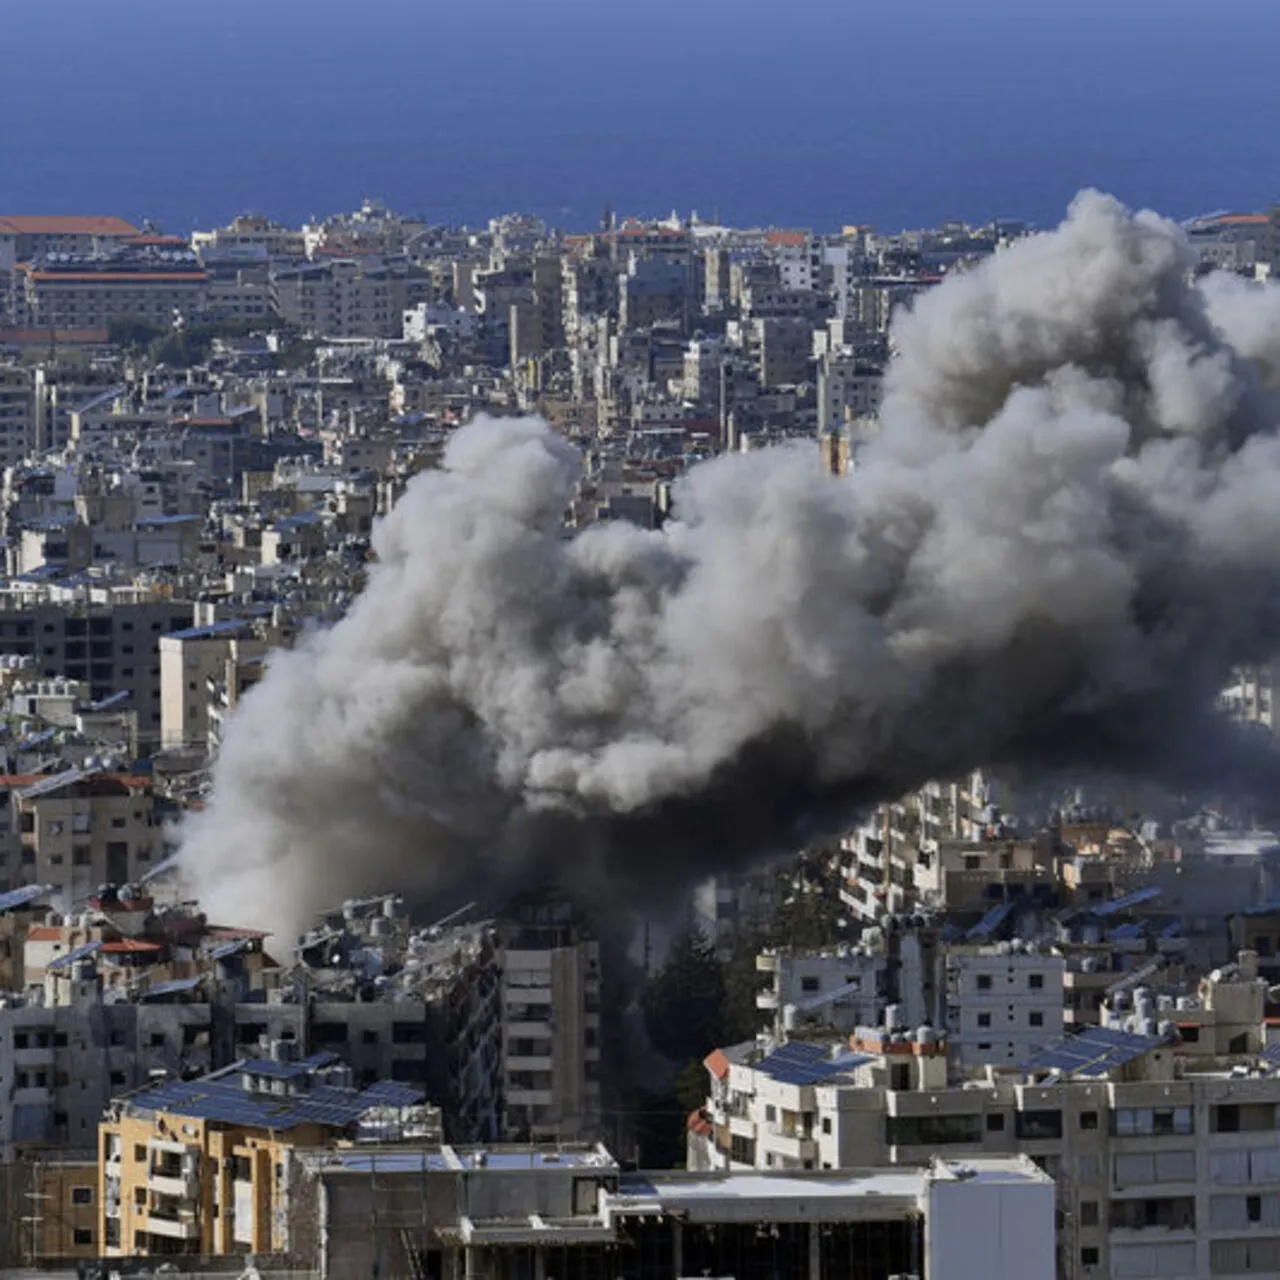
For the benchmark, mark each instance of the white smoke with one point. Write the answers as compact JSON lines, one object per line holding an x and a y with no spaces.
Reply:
{"x":1064,"y":533}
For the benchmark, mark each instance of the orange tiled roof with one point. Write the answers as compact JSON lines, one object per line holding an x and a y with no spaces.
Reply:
{"x":43,"y":933}
{"x":131,"y":944}
{"x":790,"y":239}
{"x":717,"y":1063}
{"x":58,"y":225}
{"x":1243,"y":219}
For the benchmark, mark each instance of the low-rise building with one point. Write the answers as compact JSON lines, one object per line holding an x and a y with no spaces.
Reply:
{"x":505,"y":1212}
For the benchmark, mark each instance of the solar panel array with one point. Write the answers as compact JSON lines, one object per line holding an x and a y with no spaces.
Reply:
{"x":1271,"y":1054}
{"x":391,"y":1093}
{"x":55,"y":782}
{"x":172,"y":988}
{"x":1094,"y":1052}
{"x":800,"y":1063}
{"x":21,"y":897}
{"x":223,"y":1098}
{"x":226,"y":950}
{"x":63,"y":962}
{"x":1127,"y":932}
{"x":992,"y":920}
{"x":1128,"y":901}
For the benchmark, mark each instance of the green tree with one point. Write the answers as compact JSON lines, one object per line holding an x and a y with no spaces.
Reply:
{"x":684,"y":1001}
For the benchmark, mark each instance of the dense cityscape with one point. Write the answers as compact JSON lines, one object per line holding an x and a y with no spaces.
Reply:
{"x":1005,"y":1015}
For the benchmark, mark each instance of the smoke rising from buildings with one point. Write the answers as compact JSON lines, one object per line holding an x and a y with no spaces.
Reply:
{"x":1064,"y":533}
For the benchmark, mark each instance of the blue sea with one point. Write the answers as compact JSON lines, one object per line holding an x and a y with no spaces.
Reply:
{"x":808,"y":112}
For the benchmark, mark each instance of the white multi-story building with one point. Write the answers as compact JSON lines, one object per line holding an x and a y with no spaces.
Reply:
{"x":1004,"y":1003}
{"x":840,"y":989}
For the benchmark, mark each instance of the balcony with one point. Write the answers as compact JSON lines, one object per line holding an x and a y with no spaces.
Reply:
{"x":176,"y":1227}
{"x":178,"y":1185}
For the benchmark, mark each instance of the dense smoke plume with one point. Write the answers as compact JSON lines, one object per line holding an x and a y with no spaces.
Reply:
{"x":1065,"y":532}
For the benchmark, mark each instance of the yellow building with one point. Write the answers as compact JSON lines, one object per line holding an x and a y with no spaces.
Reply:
{"x":202,"y":1167}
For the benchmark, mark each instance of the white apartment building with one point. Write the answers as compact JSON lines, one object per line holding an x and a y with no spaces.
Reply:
{"x":840,"y":989}
{"x":1163,"y":1147}
{"x":1004,"y":1003}
{"x":847,"y":388}
{"x":551,"y":1028}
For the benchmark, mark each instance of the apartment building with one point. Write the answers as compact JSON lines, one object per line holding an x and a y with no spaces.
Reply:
{"x":114,"y":647}
{"x":68,"y":292}
{"x":550,"y":1026}
{"x":843,"y":988}
{"x":17,"y":414}
{"x":363,"y":297}
{"x":506,"y":1211}
{"x":24,"y":238}
{"x":189,"y":660}
{"x":251,"y":232}
{"x":848,"y":388}
{"x":202,"y":1167}
{"x":1004,"y":1003}
{"x":80,"y":829}
{"x":1159,"y":1134}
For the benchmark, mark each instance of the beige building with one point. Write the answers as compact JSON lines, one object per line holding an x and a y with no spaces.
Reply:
{"x":27,"y":237}
{"x":78,"y":830}
{"x":204,"y":1167}
{"x":360,"y":297}
{"x":91,"y":292}
{"x":253,"y":232}
{"x":189,"y":661}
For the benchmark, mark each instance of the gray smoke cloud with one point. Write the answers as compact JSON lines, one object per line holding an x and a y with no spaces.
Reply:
{"x":1064,"y":533}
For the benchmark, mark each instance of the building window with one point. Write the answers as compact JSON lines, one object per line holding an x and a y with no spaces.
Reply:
{"x":1036,"y":981}
{"x":83,"y":1235}
{"x":770,"y":1113}
{"x":826,"y":1124}
{"x":984,"y":982}
{"x":984,"y":1019}
{"x":1089,"y":1256}
{"x":1038,"y":1124}
{"x":139,"y":1153}
{"x":1088,"y":1120}
{"x":1036,"y":1018}
{"x":1088,"y":1213}
{"x":995,"y":1123}
{"x":81,"y":1195}
{"x":809,"y":984}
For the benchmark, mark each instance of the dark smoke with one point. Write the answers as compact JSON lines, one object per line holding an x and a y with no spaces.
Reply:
{"x":1064,"y":534}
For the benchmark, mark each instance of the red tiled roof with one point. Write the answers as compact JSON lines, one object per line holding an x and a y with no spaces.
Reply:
{"x":717,"y":1063}
{"x":58,"y":225}
{"x":1243,"y":219}
{"x":8,"y":780}
{"x":788,"y":239}
{"x":226,"y":931}
{"x":43,"y":933}
{"x":131,"y":944}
